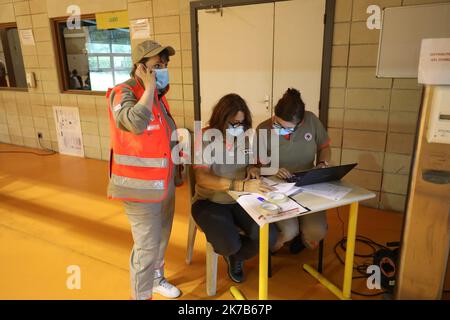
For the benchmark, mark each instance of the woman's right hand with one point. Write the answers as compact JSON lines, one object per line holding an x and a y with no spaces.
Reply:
{"x":147,"y":76}
{"x":257,"y":186}
{"x":283,"y":173}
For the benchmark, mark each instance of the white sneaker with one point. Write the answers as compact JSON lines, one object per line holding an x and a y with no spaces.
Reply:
{"x":167,"y":289}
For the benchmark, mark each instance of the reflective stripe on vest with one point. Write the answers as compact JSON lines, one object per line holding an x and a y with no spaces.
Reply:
{"x":137,"y":183}
{"x":140,"y":162}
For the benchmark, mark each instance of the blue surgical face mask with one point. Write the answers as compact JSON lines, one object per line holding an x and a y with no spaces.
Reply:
{"x":235,"y":131}
{"x":282,"y":131}
{"x":162,"y":78}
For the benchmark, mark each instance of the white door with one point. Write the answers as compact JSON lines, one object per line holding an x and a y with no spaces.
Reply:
{"x":236,"y":56}
{"x":258,"y":51}
{"x":299,"y":31}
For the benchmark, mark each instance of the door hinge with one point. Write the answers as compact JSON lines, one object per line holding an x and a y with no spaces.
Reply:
{"x":325,"y":18}
{"x":216,"y":9}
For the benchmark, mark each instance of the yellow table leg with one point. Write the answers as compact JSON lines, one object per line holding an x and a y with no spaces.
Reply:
{"x":319,"y":277}
{"x":263,"y":266}
{"x":263,"y":261}
{"x":346,"y":292}
{"x":350,"y":251}
{"x":237,"y":294}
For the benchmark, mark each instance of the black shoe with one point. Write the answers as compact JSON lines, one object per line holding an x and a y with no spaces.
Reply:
{"x":296,"y":245}
{"x":235,"y":269}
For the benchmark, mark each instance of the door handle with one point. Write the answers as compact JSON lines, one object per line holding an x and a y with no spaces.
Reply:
{"x":266,"y":102}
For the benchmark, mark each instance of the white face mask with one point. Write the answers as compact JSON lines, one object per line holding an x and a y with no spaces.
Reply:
{"x":235,"y":131}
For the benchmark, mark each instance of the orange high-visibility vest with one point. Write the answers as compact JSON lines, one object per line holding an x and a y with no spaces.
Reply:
{"x":141,"y":162}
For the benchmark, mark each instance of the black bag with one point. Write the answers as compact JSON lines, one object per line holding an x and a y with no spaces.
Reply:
{"x":387,"y":261}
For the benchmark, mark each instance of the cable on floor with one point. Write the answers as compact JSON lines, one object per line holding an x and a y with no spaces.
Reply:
{"x":49,"y":151}
{"x":362,"y":267}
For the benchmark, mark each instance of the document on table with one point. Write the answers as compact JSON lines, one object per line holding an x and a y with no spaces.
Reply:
{"x":250,"y":202}
{"x":327,"y":190}
{"x":284,"y":187}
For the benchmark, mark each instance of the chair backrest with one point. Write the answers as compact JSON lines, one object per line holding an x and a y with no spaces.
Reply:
{"x":190,"y":175}
{"x":191,"y":180}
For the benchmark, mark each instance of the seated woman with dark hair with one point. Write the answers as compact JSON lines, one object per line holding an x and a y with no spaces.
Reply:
{"x":302,"y":140}
{"x":230,"y":230}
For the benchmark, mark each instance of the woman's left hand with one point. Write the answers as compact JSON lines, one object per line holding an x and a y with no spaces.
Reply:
{"x":253,"y":173}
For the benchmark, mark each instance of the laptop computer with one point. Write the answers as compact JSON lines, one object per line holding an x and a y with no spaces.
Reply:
{"x":313,"y":176}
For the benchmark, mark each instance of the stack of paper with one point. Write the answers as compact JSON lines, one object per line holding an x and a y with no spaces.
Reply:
{"x":251,"y":202}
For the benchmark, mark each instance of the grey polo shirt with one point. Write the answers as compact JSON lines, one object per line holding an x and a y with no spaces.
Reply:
{"x":234,"y":166}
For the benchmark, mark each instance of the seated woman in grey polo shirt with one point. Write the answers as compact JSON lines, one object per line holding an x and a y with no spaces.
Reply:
{"x":230,"y":230}
{"x":302,"y":141}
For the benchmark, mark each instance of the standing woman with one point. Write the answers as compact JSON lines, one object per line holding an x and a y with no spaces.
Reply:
{"x":141,"y":168}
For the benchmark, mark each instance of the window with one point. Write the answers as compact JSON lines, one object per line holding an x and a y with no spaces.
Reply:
{"x":93,"y":59}
{"x":12,"y":70}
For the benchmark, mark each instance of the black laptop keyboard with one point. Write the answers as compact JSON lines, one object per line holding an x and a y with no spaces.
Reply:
{"x":297,"y":177}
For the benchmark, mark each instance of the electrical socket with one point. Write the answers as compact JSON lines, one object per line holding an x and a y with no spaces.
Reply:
{"x":39,"y":134}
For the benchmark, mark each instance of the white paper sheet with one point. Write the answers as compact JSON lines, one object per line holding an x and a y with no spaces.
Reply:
{"x":269,"y":181}
{"x":26,"y":37}
{"x":284,"y":187}
{"x":140,"y":29}
{"x":327,"y":190}
{"x":68,"y":130}
{"x":434,"y":66}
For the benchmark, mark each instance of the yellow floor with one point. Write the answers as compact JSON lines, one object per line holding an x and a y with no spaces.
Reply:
{"x":53,"y":214}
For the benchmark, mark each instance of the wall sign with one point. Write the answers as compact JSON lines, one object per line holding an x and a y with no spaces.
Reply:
{"x":434,"y":65}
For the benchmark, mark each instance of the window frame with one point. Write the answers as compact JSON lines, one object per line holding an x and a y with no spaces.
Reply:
{"x":12,"y":25}
{"x":61,"y":57}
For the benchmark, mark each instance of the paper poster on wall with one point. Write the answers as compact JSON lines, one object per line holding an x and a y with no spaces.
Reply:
{"x":26,"y":37}
{"x":140,"y":29}
{"x":434,"y":65}
{"x":68,"y":131}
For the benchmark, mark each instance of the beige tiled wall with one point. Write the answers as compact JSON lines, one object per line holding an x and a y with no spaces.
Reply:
{"x":372,"y":121}
{"x":23,"y":114}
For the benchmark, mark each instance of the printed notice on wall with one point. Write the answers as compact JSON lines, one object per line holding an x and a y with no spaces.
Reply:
{"x":434,"y":65}
{"x":140,"y":29}
{"x":26,"y":37}
{"x":68,"y":130}
{"x":112,"y":20}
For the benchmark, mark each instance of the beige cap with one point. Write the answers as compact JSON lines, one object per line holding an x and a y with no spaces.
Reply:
{"x":149,"y":48}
